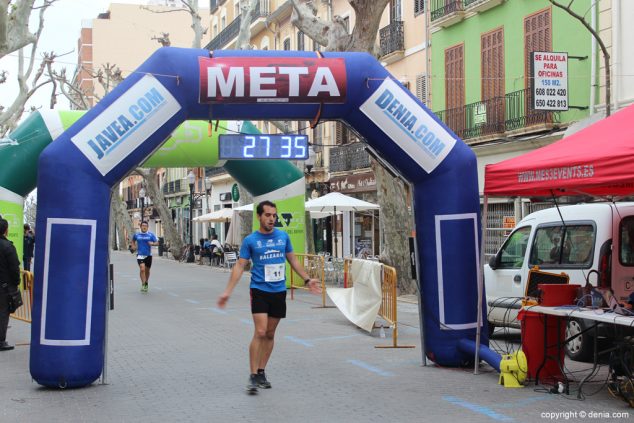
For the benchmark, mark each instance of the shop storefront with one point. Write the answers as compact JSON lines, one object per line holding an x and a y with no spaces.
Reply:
{"x":357,"y":233}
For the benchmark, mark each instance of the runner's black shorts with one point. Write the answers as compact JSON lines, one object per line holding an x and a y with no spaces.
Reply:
{"x":271,"y":303}
{"x":147,"y":260}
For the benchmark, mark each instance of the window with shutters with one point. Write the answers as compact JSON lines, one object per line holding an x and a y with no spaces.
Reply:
{"x":537,"y":37}
{"x":341,"y":133}
{"x":300,"y":41}
{"x":454,"y":88}
{"x":395,"y":10}
{"x":421,"y":87}
{"x":492,"y":70}
{"x":419,"y":7}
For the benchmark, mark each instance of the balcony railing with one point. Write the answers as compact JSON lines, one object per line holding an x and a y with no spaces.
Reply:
{"x":215,"y":171}
{"x":392,"y":38}
{"x":441,"y":8}
{"x":349,"y":157}
{"x":232,"y":30}
{"x":496,"y":116}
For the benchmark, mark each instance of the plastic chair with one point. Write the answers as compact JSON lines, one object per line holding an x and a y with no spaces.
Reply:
{"x":231,"y":258}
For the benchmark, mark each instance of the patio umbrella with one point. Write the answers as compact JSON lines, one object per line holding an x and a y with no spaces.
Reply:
{"x":222,"y":215}
{"x":337,"y":202}
{"x":246,"y":207}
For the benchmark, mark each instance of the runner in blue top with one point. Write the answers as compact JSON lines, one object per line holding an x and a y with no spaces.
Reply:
{"x":268,"y":249}
{"x":142,"y":243}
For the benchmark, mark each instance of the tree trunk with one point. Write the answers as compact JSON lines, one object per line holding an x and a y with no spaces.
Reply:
{"x":126,"y":230}
{"x":246,"y":219}
{"x":395,"y":225}
{"x":247,"y":8}
{"x":172,"y":237}
{"x":395,"y":221}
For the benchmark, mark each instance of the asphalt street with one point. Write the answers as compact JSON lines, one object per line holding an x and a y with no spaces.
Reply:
{"x":173,"y":356}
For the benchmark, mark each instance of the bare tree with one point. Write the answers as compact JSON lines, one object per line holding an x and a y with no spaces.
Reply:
{"x":120,"y":219}
{"x":191,"y":7}
{"x":14,"y":36}
{"x":30,"y":210}
{"x":597,"y":37}
{"x":332,"y":35}
{"x":247,"y":8}
{"x":154,"y":192}
{"x":14,"y":24}
{"x":164,"y":39}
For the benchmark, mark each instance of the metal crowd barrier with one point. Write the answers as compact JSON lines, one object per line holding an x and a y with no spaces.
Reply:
{"x":388,"y":309}
{"x":314,"y":265}
{"x":26,"y":289}
{"x":389,"y":304}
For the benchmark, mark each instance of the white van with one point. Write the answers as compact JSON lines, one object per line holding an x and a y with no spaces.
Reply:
{"x":589,"y":242}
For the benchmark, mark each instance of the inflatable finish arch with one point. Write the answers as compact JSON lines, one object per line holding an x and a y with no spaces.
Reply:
{"x":77,"y":171}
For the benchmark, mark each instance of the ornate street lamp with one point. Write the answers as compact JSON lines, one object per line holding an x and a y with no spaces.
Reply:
{"x":191,"y":178}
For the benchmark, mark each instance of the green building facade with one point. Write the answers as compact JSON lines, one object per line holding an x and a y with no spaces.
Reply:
{"x":489,"y":43}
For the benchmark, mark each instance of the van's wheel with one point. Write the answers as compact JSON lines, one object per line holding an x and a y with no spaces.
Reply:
{"x":580,"y":348}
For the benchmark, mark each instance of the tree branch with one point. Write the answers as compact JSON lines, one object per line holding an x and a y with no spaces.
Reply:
{"x":604,"y":50}
{"x":305,"y":19}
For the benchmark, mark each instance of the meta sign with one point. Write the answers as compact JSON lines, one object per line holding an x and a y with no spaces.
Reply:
{"x":549,"y":72}
{"x":272,"y":80}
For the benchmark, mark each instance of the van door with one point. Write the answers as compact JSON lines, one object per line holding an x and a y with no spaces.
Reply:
{"x":504,"y":284}
{"x":623,"y":260}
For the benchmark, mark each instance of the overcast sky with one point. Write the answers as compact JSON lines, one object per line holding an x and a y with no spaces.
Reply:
{"x":61,"y":32}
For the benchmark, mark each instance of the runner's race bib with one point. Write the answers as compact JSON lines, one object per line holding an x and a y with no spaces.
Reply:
{"x":274,"y":272}
{"x":139,"y":257}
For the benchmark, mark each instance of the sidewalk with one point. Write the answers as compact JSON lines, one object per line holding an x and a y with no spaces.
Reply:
{"x":174,"y":356}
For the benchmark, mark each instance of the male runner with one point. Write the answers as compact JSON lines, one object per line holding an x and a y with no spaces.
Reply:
{"x":145,"y":241}
{"x":268,"y":248}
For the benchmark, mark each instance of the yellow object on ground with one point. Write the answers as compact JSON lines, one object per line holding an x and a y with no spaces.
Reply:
{"x":513,"y":368}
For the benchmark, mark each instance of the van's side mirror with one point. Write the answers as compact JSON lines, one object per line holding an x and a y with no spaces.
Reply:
{"x":493,"y":262}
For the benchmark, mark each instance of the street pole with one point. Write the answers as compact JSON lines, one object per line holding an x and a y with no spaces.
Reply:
{"x":190,"y":254}
{"x":142,"y":198}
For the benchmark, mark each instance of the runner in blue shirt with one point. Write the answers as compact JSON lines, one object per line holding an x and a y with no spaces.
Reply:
{"x":145,"y":240}
{"x":268,"y":249}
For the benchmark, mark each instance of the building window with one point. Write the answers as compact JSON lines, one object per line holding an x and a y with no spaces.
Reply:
{"x":346,"y":24}
{"x":421,"y":87}
{"x":300,"y":41}
{"x":419,"y":7}
{"x":236,"y":9}
{"x":492,"y":71}
{"x":287,"y":44}
{"x":215,"y":30}
{"x":537,"y":37}
{"x":343,"y":135}
{"x":223,"y":22}
{"x":395,"y":10}
{"x":454,"y":87}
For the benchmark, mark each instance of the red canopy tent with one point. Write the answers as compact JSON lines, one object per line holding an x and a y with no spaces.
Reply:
{"x":598,"y":160}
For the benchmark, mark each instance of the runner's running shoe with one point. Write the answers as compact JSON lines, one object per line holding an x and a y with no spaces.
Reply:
{"x":262,"y":382}
{"x":252,"y":385}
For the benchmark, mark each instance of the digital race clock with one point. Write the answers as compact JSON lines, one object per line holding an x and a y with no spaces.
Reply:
{"x":263,"y":146}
